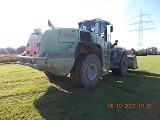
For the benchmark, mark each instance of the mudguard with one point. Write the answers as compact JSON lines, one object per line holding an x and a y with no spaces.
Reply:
{"x":84,"y":47}
{"x":115,"y":57}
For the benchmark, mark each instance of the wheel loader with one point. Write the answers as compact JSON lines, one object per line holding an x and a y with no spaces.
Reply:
{"x":86,"y":53}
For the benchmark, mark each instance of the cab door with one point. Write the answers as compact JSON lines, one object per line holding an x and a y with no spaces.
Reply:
{"x":105,"y":46}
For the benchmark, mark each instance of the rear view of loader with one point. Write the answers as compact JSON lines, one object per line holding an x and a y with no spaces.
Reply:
{"x":85,"y":53}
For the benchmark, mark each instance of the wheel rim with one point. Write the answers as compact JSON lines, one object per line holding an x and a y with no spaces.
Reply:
{"x":92,"y":71}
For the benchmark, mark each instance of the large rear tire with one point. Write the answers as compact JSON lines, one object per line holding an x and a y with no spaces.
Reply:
{"x":123,"y":66}
{"x":87,"y":70}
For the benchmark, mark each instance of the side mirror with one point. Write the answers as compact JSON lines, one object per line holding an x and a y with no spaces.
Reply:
{"x":111,"y":29}
{"x":116,"y":41}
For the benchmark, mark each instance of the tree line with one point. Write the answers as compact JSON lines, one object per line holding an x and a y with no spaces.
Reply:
{"x":147,"y":51}
{"x":10,"y":50}
{"x":140,"y":52}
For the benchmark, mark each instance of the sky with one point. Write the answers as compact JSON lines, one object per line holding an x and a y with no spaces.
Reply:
{"x":19,"y":18}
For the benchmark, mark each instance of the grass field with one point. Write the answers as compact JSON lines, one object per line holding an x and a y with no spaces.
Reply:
{"x":27,"y":94}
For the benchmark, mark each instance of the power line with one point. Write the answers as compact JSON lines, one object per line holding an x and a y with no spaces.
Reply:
{"x":140,"y":29}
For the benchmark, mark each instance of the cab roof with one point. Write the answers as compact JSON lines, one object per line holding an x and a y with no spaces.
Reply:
{"x":97,"y":20}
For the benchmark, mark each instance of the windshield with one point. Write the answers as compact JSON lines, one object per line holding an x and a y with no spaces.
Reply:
{"x":87,"y":25}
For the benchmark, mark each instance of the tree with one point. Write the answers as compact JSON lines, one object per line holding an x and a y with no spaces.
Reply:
{"x":142,"y":52}
{"x":10,"y":50}
{"x":20,"y":49}
{"x":149,"y":51}
{"x":3,"y":51}
{"x":154,"y":50}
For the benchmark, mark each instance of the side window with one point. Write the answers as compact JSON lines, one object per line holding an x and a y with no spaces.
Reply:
{"x":102,"y":28}
{"x":84,"y":28}
{"x":93,"y":28}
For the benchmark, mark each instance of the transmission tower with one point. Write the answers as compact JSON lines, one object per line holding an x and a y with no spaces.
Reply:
{"x":140,"y":28}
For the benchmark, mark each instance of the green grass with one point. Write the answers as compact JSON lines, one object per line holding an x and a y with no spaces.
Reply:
{"x":27,"y":94}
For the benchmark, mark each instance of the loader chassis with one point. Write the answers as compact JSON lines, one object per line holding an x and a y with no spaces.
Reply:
{"x":83,"y":52}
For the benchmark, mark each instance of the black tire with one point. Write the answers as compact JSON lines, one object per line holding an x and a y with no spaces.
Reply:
{"x":122,"y":70}
{"x":52,"y":77}
{"x":87,"y":70}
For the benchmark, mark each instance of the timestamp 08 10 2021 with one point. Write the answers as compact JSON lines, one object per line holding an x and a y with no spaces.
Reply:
{"x":130,"y":105}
